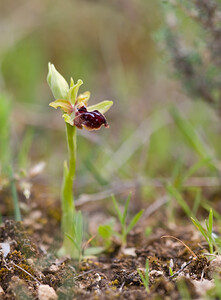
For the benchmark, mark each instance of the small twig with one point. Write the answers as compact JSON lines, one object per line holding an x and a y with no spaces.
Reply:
{"x":188,"y":248}
{"x":25,"y":272}
{"x":88,"y":241}
{"x":121,"y":287}
{"x":6,"y":265}
{"x":202,"y":275}
{"x":181,"y":269}
{"x":87,"y":272}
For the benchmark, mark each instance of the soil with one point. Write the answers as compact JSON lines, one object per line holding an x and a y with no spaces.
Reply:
{"x":31,"y":269}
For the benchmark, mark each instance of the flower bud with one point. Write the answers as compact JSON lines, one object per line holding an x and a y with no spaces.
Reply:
{"x":57,"y":83}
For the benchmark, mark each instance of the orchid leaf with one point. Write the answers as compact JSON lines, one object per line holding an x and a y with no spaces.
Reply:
{"x":65,"y":105}
{"x":102,"y":107}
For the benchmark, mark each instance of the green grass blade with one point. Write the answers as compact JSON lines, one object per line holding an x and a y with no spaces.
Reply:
{"x":199,"y":164}
{"x":95,"y":172}
{"x":192,"y":138}
{"x":79,"y":227}
{"x":93,"y":251}
{"x":177,"y":172}
{"x":17,"y":212}
{"x":105,"y":231}
{"x":196,"y":202}
{"x":5,"y":136}
{"x":72,"y":240}
{"x":200,"y":228}
{"x":25,"y":147}
{"x":143,"y":280}
{"x":207,"y":227}
{"x":210,"y":222}
{"x":119,"y":214}
{"x":126,"y":209}
{"x":207,"y":205}
{"x":170,"y":271}
{"x":207,"y":234}
{"x":177,"y":196}
{"x":147,"y":271}
{"x":134,"y":221}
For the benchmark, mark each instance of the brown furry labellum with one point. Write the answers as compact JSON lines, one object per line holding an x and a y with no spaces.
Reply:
{"x":92,"y":120}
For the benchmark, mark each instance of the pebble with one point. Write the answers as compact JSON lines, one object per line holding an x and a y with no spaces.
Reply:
{"x":54,"y":268}
{"x":30,"y":262}
{"x":5,"y":248}
{"x":45,"y":292}
{"x":129,"y":251}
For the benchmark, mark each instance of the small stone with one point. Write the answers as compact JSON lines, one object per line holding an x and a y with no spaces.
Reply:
{"x":45,"y":292}
{"x":97,"y":277}
{"x":156,"y":273}
{"x":30,"y":262}
{"x":129,"y":251}
{"x":5,"y":248}
{"x":54,"y":268}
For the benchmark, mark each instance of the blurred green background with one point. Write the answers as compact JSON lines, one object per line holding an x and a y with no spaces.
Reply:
{"x":117,"y":48}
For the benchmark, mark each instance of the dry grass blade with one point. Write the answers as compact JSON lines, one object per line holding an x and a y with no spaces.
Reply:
{"x":175,"y":238}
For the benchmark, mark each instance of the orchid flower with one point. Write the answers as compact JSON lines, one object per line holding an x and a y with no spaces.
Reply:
{"x":75,"y":108}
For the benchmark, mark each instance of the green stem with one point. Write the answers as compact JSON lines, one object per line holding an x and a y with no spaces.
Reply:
{"x":124,"y":235}
{"x":17,"y":212}
{"x":211,"y":247}
{"x":67,"y":195}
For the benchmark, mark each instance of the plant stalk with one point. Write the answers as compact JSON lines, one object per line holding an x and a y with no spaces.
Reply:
{"x":17,"y":212}
{"x":67,"y":195}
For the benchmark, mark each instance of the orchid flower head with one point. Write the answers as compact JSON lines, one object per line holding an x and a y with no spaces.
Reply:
{"x":75,"y":107}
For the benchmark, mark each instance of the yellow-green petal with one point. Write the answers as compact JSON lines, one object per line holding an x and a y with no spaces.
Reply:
{"x":65,"y":105}
{"x":83,"y":98}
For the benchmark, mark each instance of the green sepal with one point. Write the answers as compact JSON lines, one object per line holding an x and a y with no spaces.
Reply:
{"x":69,"y":118}
{"x":102,"y":107}
{"x":71,"y":82}
{"x":57,"y":83}
{"x":73,"y":91}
